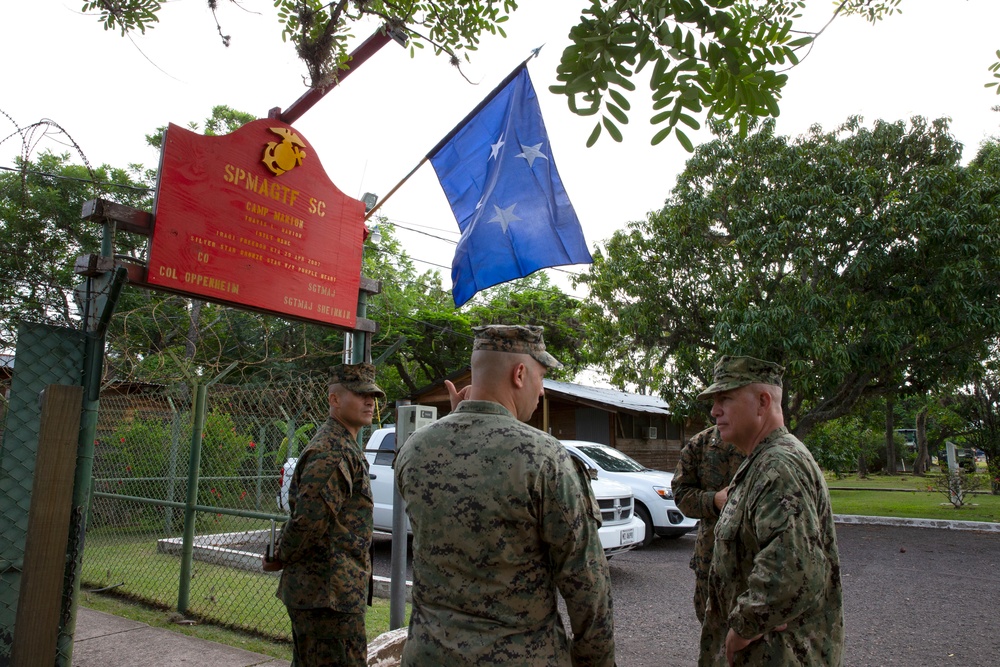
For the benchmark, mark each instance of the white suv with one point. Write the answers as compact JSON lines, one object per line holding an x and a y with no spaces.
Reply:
{"x":654,"y":499}
{"x":620,"y":531}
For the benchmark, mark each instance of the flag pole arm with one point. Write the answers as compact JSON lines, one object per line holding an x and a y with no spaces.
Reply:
{"x":503,"y":84}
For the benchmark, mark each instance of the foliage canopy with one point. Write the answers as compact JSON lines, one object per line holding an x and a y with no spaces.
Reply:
{"x":864,"y":260}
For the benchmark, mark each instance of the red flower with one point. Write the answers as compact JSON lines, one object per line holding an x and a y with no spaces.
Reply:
{"x":252,"y":444}
{"x":123,"y":439}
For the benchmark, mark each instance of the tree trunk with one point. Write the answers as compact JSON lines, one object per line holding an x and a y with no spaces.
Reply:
{"x":862,"y":466}
{"x":890,"y":441}
{"x":923,"y":460}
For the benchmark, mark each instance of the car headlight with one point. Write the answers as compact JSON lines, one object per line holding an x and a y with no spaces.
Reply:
{"x":664,"y":492}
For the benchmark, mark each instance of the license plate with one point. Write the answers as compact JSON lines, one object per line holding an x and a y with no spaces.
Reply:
{"x":628,"y":536}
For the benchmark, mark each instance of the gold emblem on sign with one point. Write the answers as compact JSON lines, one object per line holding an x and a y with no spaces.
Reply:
{"x":286,"y":155}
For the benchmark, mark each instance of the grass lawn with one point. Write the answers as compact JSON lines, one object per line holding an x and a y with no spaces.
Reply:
{"x":232,"y":606}
{"x":909,"y":497}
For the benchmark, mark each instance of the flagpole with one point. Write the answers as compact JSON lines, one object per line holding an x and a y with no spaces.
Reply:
{"x":503,"y":84}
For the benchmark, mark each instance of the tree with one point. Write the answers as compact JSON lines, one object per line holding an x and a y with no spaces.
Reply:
{"x":864,"y":260}
{"x":40,"y":217}
{"x":722,"y":60}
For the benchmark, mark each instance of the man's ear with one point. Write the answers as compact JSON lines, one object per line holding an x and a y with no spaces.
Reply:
{"x":764,"y":400}
{"x":518,"y":374}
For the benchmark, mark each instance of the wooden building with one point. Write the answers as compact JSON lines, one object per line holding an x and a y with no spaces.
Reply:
{"x":641,"y":426}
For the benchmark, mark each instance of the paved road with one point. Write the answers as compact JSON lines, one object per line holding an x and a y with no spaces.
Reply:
{"x":913,"y":597}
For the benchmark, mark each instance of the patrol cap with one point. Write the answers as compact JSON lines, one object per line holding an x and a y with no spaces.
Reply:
{"x":359,"y":378}
{"x":516,"y":339}
{"x":735,"y":372}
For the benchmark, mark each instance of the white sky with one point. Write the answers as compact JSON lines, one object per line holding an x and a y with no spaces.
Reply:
{"x":931,"y":60}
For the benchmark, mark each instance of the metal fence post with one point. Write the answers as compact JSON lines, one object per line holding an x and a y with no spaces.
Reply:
{"x":187,"y":549}
{"x":175,"y":443}
{"x":260,"y":467}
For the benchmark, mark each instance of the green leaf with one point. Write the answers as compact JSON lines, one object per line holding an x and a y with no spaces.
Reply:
{"x":592,"y":139}
{"x":612,"y":129}
{"x":619,"y":115}
{"x":619,"y":99}
{"x":661,"y":135}
{"x":685,"y":142}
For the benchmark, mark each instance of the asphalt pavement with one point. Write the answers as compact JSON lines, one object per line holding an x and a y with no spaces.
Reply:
{"x":916,"y":593}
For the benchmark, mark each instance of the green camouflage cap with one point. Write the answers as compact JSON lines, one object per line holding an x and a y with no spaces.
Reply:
{"x":359,"y":378}
{"x":736,"y":372}
{"x":516,"y":339}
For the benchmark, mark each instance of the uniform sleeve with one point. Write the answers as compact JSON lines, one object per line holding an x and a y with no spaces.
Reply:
{"x":790,"y":569}
{"x":318,"y":494}
{"x":689,"y":493}
{"x":570,"y":521}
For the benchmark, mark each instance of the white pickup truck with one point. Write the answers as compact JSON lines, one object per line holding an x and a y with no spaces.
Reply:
{"x":620,"y":531}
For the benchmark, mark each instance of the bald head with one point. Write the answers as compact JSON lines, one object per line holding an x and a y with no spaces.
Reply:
{"x":510,"y":379}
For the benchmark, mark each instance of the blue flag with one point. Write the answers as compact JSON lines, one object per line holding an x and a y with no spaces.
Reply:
{"x":498,"y":173}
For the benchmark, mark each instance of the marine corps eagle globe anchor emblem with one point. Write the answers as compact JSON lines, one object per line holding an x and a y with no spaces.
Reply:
{"x":284,"y":156}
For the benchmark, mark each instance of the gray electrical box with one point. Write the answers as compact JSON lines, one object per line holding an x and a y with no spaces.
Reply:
{"x":411,"y":417}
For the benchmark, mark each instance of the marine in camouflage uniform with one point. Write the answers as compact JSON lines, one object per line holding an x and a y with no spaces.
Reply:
{"x":775,"y":574}
{"x":707,"y":464}
{"x":324,"y":548}
{"x":502,"y":519}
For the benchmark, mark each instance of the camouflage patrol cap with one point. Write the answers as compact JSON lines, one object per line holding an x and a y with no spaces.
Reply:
{"x":359,"y":378}
{"x":516,"y":339}
{"x":736,"y":372}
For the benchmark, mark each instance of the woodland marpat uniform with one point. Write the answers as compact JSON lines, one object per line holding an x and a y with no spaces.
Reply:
{"x":501,"y":518}
{"x":775,"y":561}
{"x":325,"y":544}
{"x":707,"y":464}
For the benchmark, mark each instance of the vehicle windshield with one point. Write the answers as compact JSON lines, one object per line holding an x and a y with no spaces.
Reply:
{"x":611,"y":459}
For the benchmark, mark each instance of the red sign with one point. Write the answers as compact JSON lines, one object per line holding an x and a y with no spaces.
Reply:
{"x":251,"y":218}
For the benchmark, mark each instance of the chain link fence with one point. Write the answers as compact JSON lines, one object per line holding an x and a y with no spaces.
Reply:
{"x":135,"y":543}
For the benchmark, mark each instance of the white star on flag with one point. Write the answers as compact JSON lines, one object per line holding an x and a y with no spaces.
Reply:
{"x":495,"y":148}
{"x":504,"y":216}
{"x":530,"y":153}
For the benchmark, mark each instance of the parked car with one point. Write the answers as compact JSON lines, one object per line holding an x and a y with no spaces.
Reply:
{"x":620,"y":531}
{"x":654,"y":499}
{"x":964,"y":457}
{"x":285,"y":479}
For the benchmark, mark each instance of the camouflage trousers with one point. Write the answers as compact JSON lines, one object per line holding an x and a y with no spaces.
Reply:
{"x":327,"y":638}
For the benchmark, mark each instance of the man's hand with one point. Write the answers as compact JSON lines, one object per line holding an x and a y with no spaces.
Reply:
{"x":736,"y":643}
{"x":720,"y":498}
{"x":273,"y":565}
{"x":455,"y":395}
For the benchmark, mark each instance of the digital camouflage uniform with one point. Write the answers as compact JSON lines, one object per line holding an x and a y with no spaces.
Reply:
{"x":324,"y":547}
{"x":775,"y":562}
{"x":501,"y":519}
{"x":707,"y":465}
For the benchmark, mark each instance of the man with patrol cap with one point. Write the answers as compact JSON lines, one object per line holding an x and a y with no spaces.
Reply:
{"x":324,"y":549}
{"x":774,"y":589}
{"x":701,"y":486}
{"x":502,"y":519}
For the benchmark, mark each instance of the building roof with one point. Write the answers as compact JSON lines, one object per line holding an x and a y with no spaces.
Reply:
{"x":607,"y":399}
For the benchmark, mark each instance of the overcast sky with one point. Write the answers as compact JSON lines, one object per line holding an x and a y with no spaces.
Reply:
{"x":107,"y":92}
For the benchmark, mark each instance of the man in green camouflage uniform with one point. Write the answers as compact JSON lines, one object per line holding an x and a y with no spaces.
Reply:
{"x":323,"y":551}
{"x":502,"y":519}
{"x":774,"y":589}
{"x":700,"y":486}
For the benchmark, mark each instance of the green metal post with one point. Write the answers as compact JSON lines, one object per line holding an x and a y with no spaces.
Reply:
{"x":187,"y":549}
{"x":175,"y":445}
{"x":260,"y":467}
{"x":102,"y":297}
